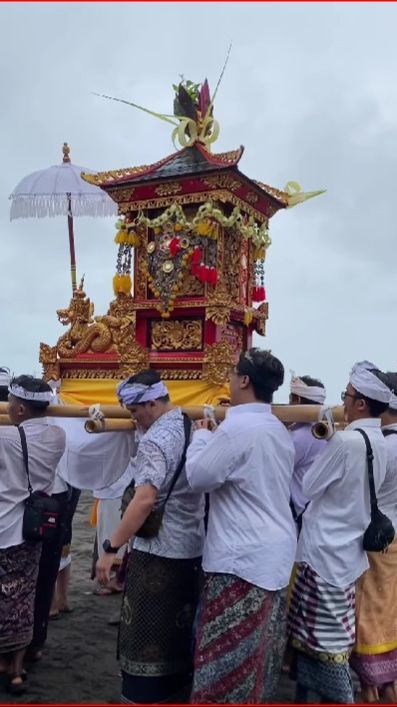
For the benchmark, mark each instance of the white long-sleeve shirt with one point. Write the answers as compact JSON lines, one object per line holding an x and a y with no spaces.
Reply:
{"x":387,"y":494}
{"x":331,"y":540}
{"x":246,"y":465}
{"x":307,"y":448}
{"x":46,"y":444}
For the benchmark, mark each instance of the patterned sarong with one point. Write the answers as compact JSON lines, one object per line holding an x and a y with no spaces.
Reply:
{"x":157,"y":615}
{"x":240,"y":642}
{"x":322,"y":630}
{"x":375,"y":654}
{"x":19,"y":567}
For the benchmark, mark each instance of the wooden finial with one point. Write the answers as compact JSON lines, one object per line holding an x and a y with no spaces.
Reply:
{"x":66,"y":152}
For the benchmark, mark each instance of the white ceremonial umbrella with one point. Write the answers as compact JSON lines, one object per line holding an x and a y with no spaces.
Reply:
{"x":60,"y":191}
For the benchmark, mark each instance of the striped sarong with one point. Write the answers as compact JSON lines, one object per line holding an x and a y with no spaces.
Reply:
{"x":241,"y":640}
{"x":321,"y":624}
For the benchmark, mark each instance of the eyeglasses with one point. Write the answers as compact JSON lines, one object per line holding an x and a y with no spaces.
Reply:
{"x":345,"y":395}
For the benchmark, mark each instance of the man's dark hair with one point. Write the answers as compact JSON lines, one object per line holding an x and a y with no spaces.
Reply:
{"x":312,"y":382}
{"x":32,"y":385}
{"x":376,"y":408}
{"x":4,"y":388}
{"x":148,"y":377}
{"x":265,"y":371}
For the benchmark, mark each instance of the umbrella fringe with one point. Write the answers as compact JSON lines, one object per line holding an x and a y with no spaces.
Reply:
{"x":57,"y":205}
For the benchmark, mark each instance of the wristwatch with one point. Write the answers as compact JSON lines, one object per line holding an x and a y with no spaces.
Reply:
{"x":107,"y":547}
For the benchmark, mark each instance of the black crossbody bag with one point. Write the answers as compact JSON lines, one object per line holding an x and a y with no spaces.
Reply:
{"x":151,"y":526}
{"x":380,"y":532}
{"x":41,"y":514}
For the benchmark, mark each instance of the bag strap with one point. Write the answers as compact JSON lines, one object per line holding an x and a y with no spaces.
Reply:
{"x":370,"y":458}
{"x":25,"y":456}
{"x":187,"y":424}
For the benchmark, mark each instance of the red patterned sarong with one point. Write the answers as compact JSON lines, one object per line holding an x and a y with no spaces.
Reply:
{"x":240,"y":642}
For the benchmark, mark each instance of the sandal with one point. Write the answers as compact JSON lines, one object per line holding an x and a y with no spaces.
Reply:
{"x":102,"y":592}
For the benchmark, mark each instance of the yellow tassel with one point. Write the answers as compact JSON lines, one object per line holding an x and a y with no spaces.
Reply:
{"x":116,"y":284}
{"x":133,"y":239}
{"x":259,"y":253}
{"x":203,"y":228}
{"x":121,"y":237}
{"x":126,"y":284}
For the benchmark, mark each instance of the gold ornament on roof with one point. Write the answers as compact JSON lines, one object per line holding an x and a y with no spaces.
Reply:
{"x":193,"y":117}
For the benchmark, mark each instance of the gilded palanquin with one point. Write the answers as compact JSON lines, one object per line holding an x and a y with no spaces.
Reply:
{"x":189,"y":283}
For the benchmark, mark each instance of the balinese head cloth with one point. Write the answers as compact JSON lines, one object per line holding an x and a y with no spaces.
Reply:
{"x":393,"y":401}
{"x":310,"y":392}
{"x":134,"y":393}
{"x":367,"y":383}
{"x":5,"y":376}
{"x":46,"y":396}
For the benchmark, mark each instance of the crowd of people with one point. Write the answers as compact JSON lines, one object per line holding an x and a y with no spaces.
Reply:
{"x":239,"y":546}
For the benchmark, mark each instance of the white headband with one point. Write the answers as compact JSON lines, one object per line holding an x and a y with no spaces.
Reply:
{"x":19,"y":392}
{"x":5,"y":377}
{"x":368,"y":383}
{"x":310,"y":392}
{"x":134,"y":393}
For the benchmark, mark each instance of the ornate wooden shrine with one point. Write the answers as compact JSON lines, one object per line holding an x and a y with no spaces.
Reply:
{"x":189,"y":283}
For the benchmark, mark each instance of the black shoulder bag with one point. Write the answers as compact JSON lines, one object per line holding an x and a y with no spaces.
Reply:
{"x":151,"y":526}
{"x":41,"y":513}
{"x":380,"y":532}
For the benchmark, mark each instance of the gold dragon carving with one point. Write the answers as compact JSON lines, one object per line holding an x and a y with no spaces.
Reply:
{"x":175,"y":335}
{"x":111,"y":333}
{"x":84,"y":335}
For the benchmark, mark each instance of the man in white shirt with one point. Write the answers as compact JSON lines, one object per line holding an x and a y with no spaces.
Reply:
{"x":330,"y":549}
{"x":375,"y":654}
{"x":304,"y":390}
{"x":19,"y":559}
{"x":246,"y":466}
{"x":163,"y":574}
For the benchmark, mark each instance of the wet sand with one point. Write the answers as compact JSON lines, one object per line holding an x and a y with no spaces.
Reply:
{"x":79,"y":661}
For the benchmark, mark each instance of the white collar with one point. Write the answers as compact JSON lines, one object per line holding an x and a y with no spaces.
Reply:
{"x":392,"y":426}
{"x":364,"y":422}
{"x":249,"y":407}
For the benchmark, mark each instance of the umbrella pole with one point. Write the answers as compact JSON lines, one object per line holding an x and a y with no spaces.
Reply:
{"x":71,"y":245}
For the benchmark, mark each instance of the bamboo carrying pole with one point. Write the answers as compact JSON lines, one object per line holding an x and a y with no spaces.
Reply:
{"x":118,"y":419}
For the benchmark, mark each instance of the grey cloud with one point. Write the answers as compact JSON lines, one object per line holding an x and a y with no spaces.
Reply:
{"x":310,"y":91}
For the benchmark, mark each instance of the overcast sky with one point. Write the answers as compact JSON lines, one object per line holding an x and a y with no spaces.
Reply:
{"x":310,"y":91}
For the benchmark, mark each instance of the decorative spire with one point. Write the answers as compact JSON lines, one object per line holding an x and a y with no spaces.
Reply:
{"x":193,"y":111}
{"x":66,"y":152}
